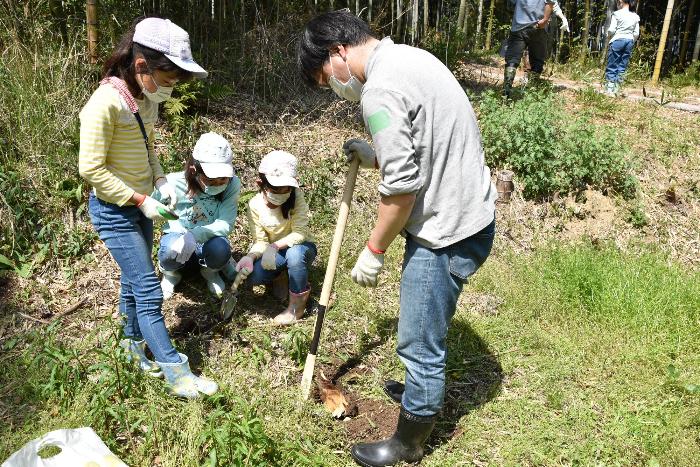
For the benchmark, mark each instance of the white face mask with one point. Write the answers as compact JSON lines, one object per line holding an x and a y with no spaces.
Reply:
{"x":278,"y":199}
{"x":161,"y":94}
{"x":351,"y":90}
{"x":212,"y":190}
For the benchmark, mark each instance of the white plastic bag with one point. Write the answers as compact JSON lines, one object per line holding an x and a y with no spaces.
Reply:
{"x":80,"y":447}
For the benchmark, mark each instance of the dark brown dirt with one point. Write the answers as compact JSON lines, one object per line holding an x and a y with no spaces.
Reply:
{"x":375,"y":420}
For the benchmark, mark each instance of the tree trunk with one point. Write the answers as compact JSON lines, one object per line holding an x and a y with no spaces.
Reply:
{"x":92,"y":30}
{"x":608,"y":17}
{"x":662,"y":43}
{"x":357,"y":7}
{"x":586,"y":27}
{"x":426,"y":16}
{"x":489,"y":28}
{"x":480,"y":16}
{"x":696,"y":50}
{"x":393,"y":16}
{"x":414,"y":22}
{"x":460,"y":16}
{"x":369,"y":12}
{"x":686,"y":33}
{"x":399,"y":18}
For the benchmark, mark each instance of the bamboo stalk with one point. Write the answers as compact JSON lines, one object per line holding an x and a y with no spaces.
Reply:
{"x":686,"y":33}
{"x":489,"y":28}
{"x":460,"y":16}
{"x":425,"y":18}
{"x":662,"y":43}
{"x":91,"y":12}
{"x":696,"y":50}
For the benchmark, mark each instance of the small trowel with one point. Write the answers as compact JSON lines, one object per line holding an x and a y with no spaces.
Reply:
{"x":228,"y":304}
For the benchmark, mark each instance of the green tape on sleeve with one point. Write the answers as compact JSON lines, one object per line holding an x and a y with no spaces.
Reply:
{"x":378,"y":121}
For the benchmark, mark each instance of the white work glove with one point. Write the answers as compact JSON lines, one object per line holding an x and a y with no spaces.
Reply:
{"x":245,"y":266}
{"x":359,"y":148}
{"x":184,"y":246}
{"x":155,"y":210}
{"x":367,"y":268}
{"x":167,"y":191}
{"x":564,"y":24}
{"x":560,"y":14}
{"x":269,"y":257}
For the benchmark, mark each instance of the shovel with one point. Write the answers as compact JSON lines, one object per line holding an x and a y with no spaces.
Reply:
{"x":330,"y":275}
{"x":228,"y":304}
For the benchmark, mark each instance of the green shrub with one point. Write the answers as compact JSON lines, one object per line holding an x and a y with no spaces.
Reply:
{"x":550,"y":151}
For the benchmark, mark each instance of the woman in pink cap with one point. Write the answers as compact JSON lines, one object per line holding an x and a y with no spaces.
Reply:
{"x":118,"y":160}
{"x":279,"y":223}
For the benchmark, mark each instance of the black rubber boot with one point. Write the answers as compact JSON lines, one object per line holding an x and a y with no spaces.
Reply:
{"x":405,"y":445}
{"x":394,"y":390}
{"x":508,"y":80}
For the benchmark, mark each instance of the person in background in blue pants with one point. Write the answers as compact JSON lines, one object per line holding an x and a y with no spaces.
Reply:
{"x":624,"y":31}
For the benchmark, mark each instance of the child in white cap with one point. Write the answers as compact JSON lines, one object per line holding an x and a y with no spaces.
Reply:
{"x":279,"y":223}
{"x":207,"y":204}
{"x":118,"y":160}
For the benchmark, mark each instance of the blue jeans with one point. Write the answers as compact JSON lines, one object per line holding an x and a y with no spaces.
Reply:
{"x":128,"y":235}
{"x":431,"y":282}
{"x":213,"y":254}
{"x":296,"y":259}
{"x":619,"y":53}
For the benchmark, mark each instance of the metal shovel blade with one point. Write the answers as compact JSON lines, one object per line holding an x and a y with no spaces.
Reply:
{"x":228,"y":304}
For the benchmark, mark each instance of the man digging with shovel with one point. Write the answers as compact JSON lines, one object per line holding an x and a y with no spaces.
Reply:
{"x":435,"y":189}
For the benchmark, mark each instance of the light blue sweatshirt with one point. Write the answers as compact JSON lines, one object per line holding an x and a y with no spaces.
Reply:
{"x":203,"y":215}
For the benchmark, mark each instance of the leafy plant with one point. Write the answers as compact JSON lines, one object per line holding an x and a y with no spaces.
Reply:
{"x":550,"y":151}
{"x":296,"y":343}
{"x":234,"y":435}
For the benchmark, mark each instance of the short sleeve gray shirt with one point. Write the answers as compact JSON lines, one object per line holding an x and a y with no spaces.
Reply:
{"x":428,"y":143}
{"x":527,"y":13}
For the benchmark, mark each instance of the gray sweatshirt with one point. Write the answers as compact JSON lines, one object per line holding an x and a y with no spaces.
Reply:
{"x":427,"y":142}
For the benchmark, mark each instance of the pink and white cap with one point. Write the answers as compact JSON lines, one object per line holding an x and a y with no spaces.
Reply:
{"x":167,"y":37}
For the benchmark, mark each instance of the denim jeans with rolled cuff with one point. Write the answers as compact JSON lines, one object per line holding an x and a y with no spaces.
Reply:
{"x":431,"y":282}
{"x":128,"y":235}
{"x":213,"y":254}
{"x":296,"y":260}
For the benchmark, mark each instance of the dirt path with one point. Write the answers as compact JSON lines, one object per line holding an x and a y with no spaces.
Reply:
{"x":493,"y":75}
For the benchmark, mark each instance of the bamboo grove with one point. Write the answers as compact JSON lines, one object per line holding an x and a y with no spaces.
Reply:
{"x":258,"y":36}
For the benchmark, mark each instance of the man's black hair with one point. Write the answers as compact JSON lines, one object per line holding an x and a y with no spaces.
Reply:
{"x":321,"y":34}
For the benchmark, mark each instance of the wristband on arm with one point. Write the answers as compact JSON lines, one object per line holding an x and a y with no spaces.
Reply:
{"x":375,"y":250}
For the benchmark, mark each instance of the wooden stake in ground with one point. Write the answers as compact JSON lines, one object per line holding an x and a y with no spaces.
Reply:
{"x":330,"y":275}
{"x":662,"y":43}
{"x":92,"y":30}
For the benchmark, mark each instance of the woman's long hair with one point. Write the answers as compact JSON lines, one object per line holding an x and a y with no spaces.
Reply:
{"x":121,"y":62}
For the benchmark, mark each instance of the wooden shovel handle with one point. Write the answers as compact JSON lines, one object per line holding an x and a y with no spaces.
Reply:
{"x":330,"y":276}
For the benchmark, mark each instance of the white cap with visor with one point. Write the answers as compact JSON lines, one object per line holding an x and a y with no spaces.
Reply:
{"x":214,"y":155}
{"x":167,"y":37}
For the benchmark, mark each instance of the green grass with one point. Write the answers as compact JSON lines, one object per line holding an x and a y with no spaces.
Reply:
{"x":589,"y":359}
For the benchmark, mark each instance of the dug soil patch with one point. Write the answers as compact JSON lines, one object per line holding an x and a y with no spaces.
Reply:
{"x":374,"y":420}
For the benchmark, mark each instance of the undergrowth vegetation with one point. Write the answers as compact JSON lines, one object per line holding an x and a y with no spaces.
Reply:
{"x":608,"y":341}
{"x":551,"y":151}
